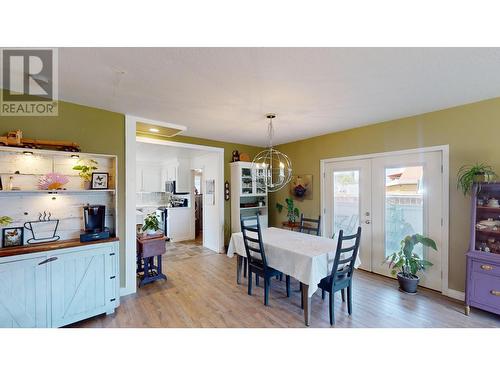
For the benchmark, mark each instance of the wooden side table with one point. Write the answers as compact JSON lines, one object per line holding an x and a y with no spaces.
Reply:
{"x":292,"y":226}
{"x":149,"y":248}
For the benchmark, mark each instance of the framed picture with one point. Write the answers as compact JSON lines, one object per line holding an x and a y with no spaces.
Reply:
{"x":12,"y":237}
{"x":99,"y":181}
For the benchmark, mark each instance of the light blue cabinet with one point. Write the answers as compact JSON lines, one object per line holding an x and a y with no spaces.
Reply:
{"x":59,"y":287}
{"x":83,"y":285}
{"x":23,"y":293}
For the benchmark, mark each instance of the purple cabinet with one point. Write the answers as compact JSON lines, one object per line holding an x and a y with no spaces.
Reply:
{"x":483,"y":258}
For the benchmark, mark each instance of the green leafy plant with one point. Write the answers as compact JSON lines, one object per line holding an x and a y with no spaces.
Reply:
{"x":5,"y":220}
{"x":405,"y":261}
{"x":470,"y":174}
{"x":151,"y":223}
{"x":85,"y":168}
{"x":292,"y":211}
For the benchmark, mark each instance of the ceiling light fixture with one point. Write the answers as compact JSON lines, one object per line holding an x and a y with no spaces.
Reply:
{"x":273,"y":165}
{"x":154,"y":130}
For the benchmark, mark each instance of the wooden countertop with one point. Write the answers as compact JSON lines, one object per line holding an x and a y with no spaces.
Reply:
{"x":65,"y":244}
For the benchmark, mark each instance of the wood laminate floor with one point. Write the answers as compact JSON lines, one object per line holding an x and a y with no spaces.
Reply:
{"x":201,"y":291}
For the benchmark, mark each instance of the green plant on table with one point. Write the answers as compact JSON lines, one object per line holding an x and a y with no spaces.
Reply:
{"x":292,"y":212}
{"x":85,"y":167}
{"x":5,"y":220}
{"x":468,"y":175}
{"x":151,"y":223}
{"x":405,"y":261}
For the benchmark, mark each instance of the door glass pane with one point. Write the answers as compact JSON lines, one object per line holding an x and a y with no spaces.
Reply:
{"x":260,"y":181}
{"x":404,"y":206}
{"x":346,"y":201}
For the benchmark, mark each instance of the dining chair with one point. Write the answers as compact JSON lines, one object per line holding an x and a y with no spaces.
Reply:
{"x":342,"y":271}
{"x":310,"y":229}
{"x":256,"y":256}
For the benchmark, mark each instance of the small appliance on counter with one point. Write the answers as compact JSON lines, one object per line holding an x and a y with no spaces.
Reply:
{"x":94,"y":219}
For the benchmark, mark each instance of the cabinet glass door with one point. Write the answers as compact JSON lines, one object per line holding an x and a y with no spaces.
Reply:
{"x":260,"y":181}
{"x":246,"y":181}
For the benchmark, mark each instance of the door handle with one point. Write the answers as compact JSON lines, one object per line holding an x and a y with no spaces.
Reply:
{"x":367,"y":222}
{"x":47,"y":261}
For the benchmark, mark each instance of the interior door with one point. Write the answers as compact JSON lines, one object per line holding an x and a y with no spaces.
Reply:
{"x":407,"y":199}
{"x":348,"y":203}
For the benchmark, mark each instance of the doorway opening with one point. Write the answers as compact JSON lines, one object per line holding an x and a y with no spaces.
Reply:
{"x":161,"y":178}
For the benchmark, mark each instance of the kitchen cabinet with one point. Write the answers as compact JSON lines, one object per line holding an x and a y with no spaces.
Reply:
{"x":23,"y":293}
{"x":83,"y":284}
{"x":180,"y":224}
{"x":183,"y":181}
{"x":149,"y":178}
{"x":58,"y":287}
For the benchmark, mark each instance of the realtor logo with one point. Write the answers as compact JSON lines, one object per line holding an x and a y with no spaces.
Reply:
{"x":28,"y":82}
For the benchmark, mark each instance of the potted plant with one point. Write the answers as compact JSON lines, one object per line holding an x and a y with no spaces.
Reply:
{"x":85,"y":167}
{"x":5,"y":220}
{"x":468,"y":175}
{"x":405,"y":263}
{"x":151,"y":224}
{"x":292,"y":211}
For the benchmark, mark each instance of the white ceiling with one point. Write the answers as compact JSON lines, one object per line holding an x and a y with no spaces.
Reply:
{"x":148,"y":152}
{"x":224,"y":93}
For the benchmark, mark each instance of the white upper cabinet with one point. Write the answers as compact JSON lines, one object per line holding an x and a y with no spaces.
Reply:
{"x":183,"y":175}
{"x":149,"y":178}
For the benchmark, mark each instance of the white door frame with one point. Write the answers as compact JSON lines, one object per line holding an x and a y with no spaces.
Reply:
{"x":445,"y":150}
{"x":130,"y":192}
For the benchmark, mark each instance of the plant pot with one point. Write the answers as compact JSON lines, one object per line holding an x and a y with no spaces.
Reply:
{"x":408,"y":285}
{"x":150,"y":232}
{"x":86,"y":185}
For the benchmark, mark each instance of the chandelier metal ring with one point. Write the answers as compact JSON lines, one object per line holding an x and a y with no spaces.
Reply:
{"x":272,"y":165}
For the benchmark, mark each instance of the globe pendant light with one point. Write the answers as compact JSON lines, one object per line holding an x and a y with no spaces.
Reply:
{"x":272,"y":165}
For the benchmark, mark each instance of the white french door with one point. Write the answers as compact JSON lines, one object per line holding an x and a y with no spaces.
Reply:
{"x":390,"y":197}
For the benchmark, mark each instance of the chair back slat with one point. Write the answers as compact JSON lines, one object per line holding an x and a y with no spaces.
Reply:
{"x":347,"y":260}
{"x":255,"y":254}
{"x":310,"y":229}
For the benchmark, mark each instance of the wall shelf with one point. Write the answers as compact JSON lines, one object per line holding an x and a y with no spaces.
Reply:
{"x":56,"y":191}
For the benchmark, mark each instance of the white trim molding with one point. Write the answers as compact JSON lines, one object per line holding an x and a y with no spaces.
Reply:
{"x":445,"y":151}
{"x":130,"y":190}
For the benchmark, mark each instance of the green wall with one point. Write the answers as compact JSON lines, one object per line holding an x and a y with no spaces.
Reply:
{"x":472,"y":131}
{"x":95,"y":130}
{"x":228,"y":150}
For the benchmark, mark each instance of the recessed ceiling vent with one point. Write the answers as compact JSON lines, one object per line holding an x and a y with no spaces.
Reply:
{"x":169,"y":130}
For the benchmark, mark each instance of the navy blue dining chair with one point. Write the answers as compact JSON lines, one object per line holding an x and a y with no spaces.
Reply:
{"x":340,"y":277}
{"x":256,"y":256}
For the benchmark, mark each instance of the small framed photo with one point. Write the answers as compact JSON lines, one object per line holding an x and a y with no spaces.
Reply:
{"x":100,"y":181}
{"x":12,"y":237}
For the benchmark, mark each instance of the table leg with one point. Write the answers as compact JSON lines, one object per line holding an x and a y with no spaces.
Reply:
{"x":306,"y":301}
{"x":239,"y":263}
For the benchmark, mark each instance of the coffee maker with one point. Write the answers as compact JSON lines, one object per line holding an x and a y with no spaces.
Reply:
{"x":94,"y":220}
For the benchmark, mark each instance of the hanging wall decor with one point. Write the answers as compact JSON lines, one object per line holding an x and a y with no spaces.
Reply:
{"x":227,"y":192}
{"x":301,"y":187}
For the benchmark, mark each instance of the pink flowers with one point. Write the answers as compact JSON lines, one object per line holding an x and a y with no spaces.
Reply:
{"x":52,"y":181}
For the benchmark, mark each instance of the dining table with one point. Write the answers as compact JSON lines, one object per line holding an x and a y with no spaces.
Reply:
{"x":305,"y":257}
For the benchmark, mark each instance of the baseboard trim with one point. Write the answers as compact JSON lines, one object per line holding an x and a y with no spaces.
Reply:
{"x":126,"y":291}
{"x":455,"y":294}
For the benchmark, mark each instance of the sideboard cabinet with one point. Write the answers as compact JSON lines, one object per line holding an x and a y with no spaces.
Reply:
{"x":58,"y":287}
{"x":483,"y":257}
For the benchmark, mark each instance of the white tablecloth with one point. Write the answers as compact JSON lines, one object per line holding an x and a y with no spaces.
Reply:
{"x":304,"y":257}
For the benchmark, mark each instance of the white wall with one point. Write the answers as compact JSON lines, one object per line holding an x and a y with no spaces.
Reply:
{"x":212,"y":225}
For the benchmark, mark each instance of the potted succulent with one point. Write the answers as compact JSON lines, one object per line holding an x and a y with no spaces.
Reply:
{"x":468,"y":175}
{"x":5,"y":220}
{"x":405,"y":263}
{"x":151,"y":224}
{"x":292,"y":211}
{"x":85,"y":167}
